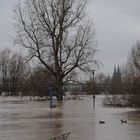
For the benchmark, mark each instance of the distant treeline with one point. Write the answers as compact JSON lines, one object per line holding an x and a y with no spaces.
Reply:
{"x":124,"y":84}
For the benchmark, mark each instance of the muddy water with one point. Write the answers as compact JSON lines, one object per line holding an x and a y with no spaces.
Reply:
{"x":35,"y":121}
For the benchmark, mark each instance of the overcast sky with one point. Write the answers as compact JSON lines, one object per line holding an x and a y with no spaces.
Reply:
{"x":117,"y":25}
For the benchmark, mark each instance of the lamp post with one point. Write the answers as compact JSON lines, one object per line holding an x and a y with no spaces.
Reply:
{"x":93,"y":72}
{"x":50,"y":91}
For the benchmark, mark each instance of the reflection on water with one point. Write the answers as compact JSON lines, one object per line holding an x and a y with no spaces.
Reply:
{"x":35,"y":121}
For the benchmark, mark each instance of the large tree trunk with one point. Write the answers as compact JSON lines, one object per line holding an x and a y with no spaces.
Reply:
{"x":59,"y":86}
{"x":60,"y":94}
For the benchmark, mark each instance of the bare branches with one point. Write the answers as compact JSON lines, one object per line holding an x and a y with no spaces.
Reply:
{"x":135,"y":55}
{"x":56,"y":32}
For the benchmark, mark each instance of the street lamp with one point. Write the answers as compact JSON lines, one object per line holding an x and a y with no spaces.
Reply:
{"x":93,"y":72}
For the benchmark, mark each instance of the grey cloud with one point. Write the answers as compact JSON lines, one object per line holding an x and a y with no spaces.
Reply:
{"x":117,"y":24}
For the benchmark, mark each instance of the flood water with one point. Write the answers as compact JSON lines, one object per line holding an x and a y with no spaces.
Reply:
{"x":23,"y":120}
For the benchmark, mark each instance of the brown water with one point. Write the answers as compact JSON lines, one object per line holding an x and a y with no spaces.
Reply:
{"x":35,"y":121}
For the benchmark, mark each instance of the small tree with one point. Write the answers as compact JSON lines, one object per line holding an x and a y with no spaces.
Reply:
{"x":37,"y":82}
{"x":12,"y":71}
{"x":17,"y":70}
{"x":58,"y":34}
{"x":135,"y":55}
{"x":4,"y":65}
{"x":136,"y":92}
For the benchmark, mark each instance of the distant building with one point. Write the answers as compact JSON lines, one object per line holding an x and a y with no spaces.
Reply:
{"x":116,"y":73}
{"x":116,"y":82}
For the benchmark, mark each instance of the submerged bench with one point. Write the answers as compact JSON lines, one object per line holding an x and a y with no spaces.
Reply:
{"x":63,"y":136}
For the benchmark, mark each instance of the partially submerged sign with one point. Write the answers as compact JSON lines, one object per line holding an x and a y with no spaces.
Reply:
{"x":63,"y":136}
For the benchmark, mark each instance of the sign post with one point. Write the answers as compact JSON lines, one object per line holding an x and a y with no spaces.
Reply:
{"x":93,"y":72}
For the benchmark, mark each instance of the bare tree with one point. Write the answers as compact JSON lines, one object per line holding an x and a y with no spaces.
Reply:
{"x":4,"y":64}
{"x":13,"y":71}
{"x":37,"y":82}
{"x":58,"y":34}
{"x":135,"y":55}
{"x":17,"y":70}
